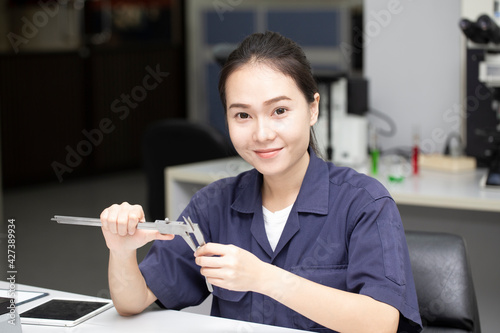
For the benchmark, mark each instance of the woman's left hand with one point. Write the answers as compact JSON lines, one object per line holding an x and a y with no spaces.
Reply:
{"x":230,"y":267}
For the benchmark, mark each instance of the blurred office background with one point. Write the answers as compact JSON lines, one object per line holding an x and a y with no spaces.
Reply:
{"x":80,"y":81}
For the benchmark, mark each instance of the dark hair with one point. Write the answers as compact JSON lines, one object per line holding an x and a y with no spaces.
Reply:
{"x":279,"y":53}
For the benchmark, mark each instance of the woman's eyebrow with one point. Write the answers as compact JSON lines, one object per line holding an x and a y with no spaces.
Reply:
{"x":239,"y":105}
{"x":268,"y":102}
{"x":276,"y":99}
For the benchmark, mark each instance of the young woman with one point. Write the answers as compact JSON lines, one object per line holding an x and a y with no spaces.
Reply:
{"x":295,"y":242}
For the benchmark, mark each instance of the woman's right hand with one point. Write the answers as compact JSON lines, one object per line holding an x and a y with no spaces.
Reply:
{"x":119,"y":227}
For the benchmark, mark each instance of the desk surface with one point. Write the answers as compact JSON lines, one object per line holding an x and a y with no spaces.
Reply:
{"x":148,"y":321}
{"x":429,"y":188}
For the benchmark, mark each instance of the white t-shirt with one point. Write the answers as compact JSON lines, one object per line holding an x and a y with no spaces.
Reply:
{"x":275,"y":223}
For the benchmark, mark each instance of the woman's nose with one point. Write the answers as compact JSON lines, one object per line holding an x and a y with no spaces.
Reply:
{"x":264,"y":131}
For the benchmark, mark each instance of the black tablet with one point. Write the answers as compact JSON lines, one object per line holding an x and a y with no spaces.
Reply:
{"x":64,"y":312}
{"x":493,"y":178}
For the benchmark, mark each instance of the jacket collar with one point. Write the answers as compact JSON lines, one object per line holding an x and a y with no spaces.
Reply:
{"x":313,"y":194}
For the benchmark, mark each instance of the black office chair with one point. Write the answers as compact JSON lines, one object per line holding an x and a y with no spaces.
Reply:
{"x":172,"y":142}
{"x":443,"y":281}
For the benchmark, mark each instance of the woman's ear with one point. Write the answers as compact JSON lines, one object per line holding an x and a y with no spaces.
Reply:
{"x":314,"y":109}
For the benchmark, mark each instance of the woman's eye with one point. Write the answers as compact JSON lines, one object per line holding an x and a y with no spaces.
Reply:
{"x":242,"y":115}
{"x":280,"y":111}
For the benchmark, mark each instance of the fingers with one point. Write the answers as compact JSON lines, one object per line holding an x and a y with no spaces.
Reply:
{"x":216,"y":255}
{"x":122,"y":219}
{"x":213,"y":249}
{"x":161,"y":236}
{"x":104,"y":219}
{"x":151,"y":235}
{"x":228,"y":266}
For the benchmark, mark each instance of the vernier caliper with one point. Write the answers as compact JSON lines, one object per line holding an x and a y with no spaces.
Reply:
{"x":183,"y":229}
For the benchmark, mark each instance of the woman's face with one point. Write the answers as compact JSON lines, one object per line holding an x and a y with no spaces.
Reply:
{"x":269,"y":119}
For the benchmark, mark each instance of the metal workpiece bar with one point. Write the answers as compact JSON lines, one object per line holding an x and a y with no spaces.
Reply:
{"x":77,"y":220}
{"x":164,"y":227}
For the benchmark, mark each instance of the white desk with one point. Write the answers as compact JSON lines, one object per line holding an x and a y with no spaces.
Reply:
{"x":429,"y":188}
{"x":148,"y":321}
{"x":446,"y":190}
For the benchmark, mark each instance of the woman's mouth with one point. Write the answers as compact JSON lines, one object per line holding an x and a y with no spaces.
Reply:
{"x":267,"y":153}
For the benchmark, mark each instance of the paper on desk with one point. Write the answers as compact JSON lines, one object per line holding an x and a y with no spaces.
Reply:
{"x":22,"y":296}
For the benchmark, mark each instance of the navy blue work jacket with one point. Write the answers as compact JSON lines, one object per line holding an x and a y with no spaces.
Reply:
{"x":344,"y":231}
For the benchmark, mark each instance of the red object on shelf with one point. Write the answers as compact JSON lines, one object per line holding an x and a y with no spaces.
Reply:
{"x":414,"y":159}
